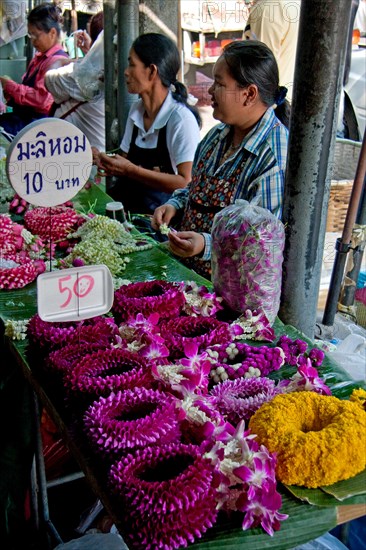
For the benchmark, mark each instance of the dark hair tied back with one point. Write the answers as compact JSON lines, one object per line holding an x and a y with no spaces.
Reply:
{"x":157,"y":49}
{"x":252,"y":62}
{"x":280,"y":95}
{"x":46,"y":17}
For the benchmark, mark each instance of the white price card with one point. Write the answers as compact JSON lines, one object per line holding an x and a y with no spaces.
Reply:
{"x":49,"y":162}
{"x":74,"y":294}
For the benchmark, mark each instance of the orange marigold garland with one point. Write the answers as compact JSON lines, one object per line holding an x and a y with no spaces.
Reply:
{"x":316,"y":437}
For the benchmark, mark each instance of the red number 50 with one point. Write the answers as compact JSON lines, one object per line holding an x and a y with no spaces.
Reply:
{"x":81,"y":287}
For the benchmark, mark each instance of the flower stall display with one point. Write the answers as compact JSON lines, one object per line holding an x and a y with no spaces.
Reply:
{"x":164,"y":396}
{"x":247,"y":255}
{"x":179,"y":410}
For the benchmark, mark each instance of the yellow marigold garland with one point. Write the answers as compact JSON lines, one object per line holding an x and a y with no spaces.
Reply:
{"x":316,"y":437}
{"x":359,"y":396}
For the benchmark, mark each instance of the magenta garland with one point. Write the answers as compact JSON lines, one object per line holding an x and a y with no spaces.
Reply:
{"x":169,"y":495}
{"x":131,"y":420}
{"x":109,"y":370}
{"x":162,"y":297}
{"x":204,"y":331}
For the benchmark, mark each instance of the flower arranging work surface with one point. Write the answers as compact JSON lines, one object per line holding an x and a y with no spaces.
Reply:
{"x":164,"y":392}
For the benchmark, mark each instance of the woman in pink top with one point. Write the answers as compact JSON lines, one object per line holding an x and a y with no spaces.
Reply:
{"x":30,"y":99}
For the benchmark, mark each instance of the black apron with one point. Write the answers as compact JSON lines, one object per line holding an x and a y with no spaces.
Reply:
{"x":23,"y":115}
{"x":137,"y":197}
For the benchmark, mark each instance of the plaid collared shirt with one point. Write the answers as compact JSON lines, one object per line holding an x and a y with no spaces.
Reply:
{"x":262,"y":174}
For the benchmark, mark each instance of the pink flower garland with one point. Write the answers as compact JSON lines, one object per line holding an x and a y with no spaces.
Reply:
{"x":236,"y":359}
{"x":131,"y":420}
{"x":239,"y":399}
{"x":22,"y":273}
{"x":50,"y":335}
{"x":107,"y":371}
{"x":52,"y":224}
{"x":63,"y":360}
{"x":162,"y":297}
{"x":168,"y":495}
{"x":203,"y":331}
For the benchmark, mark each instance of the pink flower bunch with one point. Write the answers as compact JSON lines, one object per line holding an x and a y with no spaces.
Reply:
{"x":107,"y":371}
{"x":255,"y":326}
{"x":187,"y":374}
{"x":168,"y":495}
{"x":296,"y":352}
{"x":239,"y":399}
{"x":52,"y":224}
{"x":305,"y":379}
{"x":132,"y":419}
{"x":18,"y":205}
{"x":162,"y":297}
{"x":199,"y":301}
{"x":247,"y":481}
{"x":18,"y":270}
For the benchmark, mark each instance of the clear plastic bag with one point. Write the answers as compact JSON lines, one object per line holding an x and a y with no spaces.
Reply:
{"x":247,"y":255}
{"x":82,"y":80}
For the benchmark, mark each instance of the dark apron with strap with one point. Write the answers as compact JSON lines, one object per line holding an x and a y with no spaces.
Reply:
{"x":137,"y":197}
{"x":207,"y":196}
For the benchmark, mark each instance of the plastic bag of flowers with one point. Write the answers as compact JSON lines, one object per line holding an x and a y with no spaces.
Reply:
{"x":247,"y":255}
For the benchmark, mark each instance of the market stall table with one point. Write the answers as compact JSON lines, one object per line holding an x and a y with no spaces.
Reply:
{"x":305,"y":522}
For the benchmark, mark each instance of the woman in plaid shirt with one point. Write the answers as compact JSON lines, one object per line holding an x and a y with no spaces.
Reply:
{"x":241,"y":158}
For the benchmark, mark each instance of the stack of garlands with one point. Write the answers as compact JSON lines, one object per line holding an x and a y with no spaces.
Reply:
{"x":165,"y":395}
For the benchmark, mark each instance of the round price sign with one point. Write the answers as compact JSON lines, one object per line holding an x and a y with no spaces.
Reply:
{"x":49,"y":162}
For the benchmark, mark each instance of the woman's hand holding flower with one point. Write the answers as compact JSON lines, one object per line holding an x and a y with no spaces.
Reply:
{"x":163,"y":214}
{"x":186,"y":243}
{"x":115,"y":165}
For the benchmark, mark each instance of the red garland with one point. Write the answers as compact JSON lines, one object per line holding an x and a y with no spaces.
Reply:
{"x":52,"y":223}
{"x":24,"y":273}
{"x":162,"y":297}
{"x":131,"y":420}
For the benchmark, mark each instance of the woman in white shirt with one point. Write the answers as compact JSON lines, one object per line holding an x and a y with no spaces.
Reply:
{"x":162,"y":130}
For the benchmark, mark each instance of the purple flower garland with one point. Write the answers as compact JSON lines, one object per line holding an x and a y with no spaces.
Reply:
{"x":238,"y":360}
{"x":239,"y":399}
{"x":204,"y":331}
{"x":131,"y":420}
{"x":168,"y":494}
{"x":161,"y":297}
{"x":107,"y":371}
{"x":62,"y":361}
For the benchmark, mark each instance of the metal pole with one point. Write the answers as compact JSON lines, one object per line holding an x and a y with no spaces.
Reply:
{"x":318,"y":81}
{"x":354,"y":237}
{"x":127,"y":31}
{"x":109,"y":72}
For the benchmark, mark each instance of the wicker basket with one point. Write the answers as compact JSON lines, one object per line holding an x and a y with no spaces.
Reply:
{"x":346,"y":155}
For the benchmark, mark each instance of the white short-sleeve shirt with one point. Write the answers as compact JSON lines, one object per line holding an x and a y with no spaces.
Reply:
{"x":182,"y":131}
